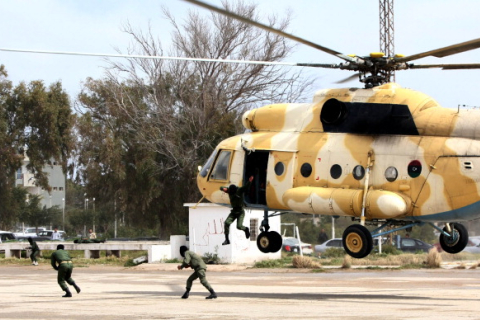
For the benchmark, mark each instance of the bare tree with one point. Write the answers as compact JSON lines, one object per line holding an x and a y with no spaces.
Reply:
{"x":180,"y":110}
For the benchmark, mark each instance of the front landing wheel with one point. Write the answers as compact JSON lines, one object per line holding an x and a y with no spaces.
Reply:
{"x":357,"y":241}
{"x":269,"y":242}
{"x":457,"y":241}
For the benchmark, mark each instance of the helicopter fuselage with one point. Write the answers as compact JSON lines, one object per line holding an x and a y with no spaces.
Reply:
{"x":384,"y":153}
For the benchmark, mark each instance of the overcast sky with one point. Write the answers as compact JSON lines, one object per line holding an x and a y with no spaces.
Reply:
{"x":343,"y":25}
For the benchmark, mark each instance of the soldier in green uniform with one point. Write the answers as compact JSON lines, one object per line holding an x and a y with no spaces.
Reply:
{"x":236,"y":201}
{"x":64,"y":268}
{"x":193,"y":260}
{"x":35,"y":251}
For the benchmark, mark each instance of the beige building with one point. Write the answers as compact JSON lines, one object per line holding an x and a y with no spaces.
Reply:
{"x":56,"y":179}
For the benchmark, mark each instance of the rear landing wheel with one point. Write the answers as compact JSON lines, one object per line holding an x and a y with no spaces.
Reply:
{"x":357,"y":241}
{"x":457,"y":241}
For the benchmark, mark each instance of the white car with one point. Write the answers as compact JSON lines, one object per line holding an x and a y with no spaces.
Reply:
{"x":473,"y":245}
{"x":28,"y":232}
{"x":332,"y":243}
{"x":291,"y":244}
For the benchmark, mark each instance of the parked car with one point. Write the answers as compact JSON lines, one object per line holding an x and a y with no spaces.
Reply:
{"x":48,"y":235}
{"x":28,"y":232}
{"x":332,"y":243}
{"x":5,"y":236}
{"x":291,"y":244}
{"x":338,"y":243}
{"x":412,"y":245}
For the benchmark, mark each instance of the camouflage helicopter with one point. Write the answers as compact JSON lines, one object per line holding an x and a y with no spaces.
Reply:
{"x":382,"y":155}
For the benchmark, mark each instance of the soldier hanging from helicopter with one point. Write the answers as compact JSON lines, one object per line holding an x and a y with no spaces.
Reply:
{"x":237,"y":213}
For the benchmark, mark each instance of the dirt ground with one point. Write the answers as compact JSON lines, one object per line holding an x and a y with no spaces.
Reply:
{"x":152,"y":291}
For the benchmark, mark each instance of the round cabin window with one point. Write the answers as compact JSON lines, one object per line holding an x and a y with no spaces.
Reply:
{"x":391,"y":174}
{"x":306,"y":170}
{"x":279,"y":168}
{"x":335,"y":171}
{"x":358,"y":172}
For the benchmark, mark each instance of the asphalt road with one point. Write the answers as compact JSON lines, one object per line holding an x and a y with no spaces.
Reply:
{"x":153,"y":292}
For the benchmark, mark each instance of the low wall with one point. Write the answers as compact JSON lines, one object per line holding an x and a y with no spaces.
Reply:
{"x":157,"y":250}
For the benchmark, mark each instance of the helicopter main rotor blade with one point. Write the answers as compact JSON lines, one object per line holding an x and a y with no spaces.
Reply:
{"x":128,"y":56}
{"x":268,"y":28}
{"x":443,"y":52}
{"x":454,"y":66}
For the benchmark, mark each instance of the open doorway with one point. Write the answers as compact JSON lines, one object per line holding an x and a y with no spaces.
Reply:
{"x":256,"y":165}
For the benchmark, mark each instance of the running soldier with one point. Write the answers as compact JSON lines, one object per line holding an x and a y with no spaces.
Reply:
{"x":194,"y":261}
{"x":62,"y":262}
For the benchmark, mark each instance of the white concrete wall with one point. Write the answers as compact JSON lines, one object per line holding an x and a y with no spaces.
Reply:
{"x":157,"y":253}
{"x":206,"y":234}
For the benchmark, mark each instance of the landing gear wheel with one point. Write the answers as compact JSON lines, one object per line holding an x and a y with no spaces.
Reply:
{"x":357,"y":241}
{"x":263,"y":242}
{"x":276,"y":241}
{"x":457,"y":241}
{"x":269,"y":242}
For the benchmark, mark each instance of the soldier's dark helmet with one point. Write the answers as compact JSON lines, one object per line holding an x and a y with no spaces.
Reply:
{"x":182,"y":250}
{"x":60,"y":247}
{"x":30,"y":239}
{"x":232,"y":189}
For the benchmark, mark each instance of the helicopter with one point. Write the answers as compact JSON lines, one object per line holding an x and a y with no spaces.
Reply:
{"x":383,"y":155}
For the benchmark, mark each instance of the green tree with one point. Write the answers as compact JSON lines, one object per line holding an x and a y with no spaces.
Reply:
{"x":35,"y":121}
{"x":35,"y":215}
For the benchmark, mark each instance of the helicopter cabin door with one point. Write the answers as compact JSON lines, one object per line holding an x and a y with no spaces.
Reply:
{"x":256,"y":165}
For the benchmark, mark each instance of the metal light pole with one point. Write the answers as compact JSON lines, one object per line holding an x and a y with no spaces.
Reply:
{"x":93,"y":215}
{"x":63,"y":216}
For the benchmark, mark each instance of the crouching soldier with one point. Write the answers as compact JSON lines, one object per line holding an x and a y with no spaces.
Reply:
{"x":64,"y":268}
{"x":35,"y":251}
{"x":193,"y":260}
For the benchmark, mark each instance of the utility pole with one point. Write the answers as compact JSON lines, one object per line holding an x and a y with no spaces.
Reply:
{"x":387,"y":31}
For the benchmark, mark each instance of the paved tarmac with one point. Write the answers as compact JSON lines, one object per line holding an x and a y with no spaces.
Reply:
{"x":153,"y":292}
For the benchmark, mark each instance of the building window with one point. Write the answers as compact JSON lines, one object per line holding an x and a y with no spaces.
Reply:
{"x":19,"y":173}
{"x":253,"y":229}
{"x":60,"y":188}
{"x":55,"y":188}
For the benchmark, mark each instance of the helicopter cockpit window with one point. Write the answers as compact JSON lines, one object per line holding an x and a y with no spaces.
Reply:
{"x":279,"y":168}
{"x":336,"y":171}
{"x":220,"y":170}
{"x":358,"y":172}
{"x":208,"y":164}
{"x":306,"y":170}
{"x":391,"y":174}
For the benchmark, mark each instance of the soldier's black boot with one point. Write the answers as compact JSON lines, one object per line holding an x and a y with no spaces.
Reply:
{"x":186,"y":294}
{"x":77,"y":288}
{"x":212,"y":295}
{"x":226,"y":241}
{"x":247,"y":233}
{"x":68,"y":294}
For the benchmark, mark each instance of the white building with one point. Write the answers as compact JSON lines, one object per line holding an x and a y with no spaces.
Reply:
{"x":206,"y":234}
{"x":56,"y":179}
